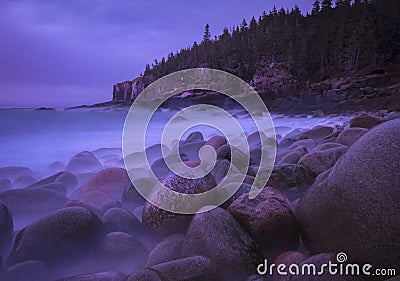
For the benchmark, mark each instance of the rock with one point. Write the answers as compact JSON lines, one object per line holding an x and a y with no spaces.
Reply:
{"x":131,"y":198}
{"x":5,"y":184}
{"x":318,"y":261}
{"x":350,"y":136}
{"x":116,"y":219}
{"x":55,"y":186}
{"x":195,"y":137}
{"x":196,"y":268}
{"x":269,"y":219}
{"x":221,"y":169}
{"x":217,"y":235}
{"x":29,"y":204}
{"x":153,"y":153}
{"x":163,"y":222}
{"x":98,"y":276}
{"x":191,"y":150}
{"x":224,"y":152}
{"x":121,"y":251}
{"x":366,"y":121}
{"x":23,"y":181}
{"x":12,"y":173}
{"x":327,"y":145}
{"x":83,"y":162}
{"x":290,"y":176}
{"x":6,"y":230}
{"x":317,"y":162}
{"x":69,"y":180}
{"x":111,"y":181}
{"x":168,"y":249}
{"x":31,"y":270}
{"x":288,"y":258}
{"x":317,"y":133}
{"x":216,"y":142}
{"x":56,"y":167}
{"x":147,"y":274}
{"x":61,"y":235}
{"x":355,"y":210}
{"x":95,"y":199}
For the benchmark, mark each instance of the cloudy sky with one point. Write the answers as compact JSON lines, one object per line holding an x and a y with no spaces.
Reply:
{"x":62,"y":53}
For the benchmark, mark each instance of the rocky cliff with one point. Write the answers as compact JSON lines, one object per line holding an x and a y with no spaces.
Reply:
{"x":377,"y":89}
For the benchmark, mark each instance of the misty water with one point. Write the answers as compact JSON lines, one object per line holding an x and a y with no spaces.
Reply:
{"x":37,"y":138}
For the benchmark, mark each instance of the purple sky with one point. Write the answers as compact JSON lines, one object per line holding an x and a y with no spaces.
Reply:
{"x":61,"y":53}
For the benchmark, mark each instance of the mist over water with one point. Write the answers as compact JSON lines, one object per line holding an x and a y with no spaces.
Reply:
{"x":36,"y":139}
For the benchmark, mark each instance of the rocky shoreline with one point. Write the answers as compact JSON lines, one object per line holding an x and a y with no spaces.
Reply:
{"x":332,"y":189}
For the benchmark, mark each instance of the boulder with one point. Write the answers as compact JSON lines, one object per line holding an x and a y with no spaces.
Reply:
{"x":147,"y":274}
{"x":288,"y":258}
{"x":68,"y":179}
{"x":61,"y":235}
{"x":121,"y":251}
{"x":349,"y":136}
{"x":120,"y":220}
{"x":289,"y":176}
{"x":168,"y":249}
{"x":5,"y":184}
{"x":355,"y":209}
{"x":29,"y":204}
{"x":6,"y":230}
{"x":317,"y":162}
{"x":216,"y":142}
{"x":110,"y":181}
{"x":365,"y":120}
{"x":55,"y":186}
{"x":163,"y":222}
{"x":196,"y":268}
{"x":269,"y":219}
{"x":195,"y":137}
{"x":83,"y":162}
{"x":98,"y":276}
{"x":317,"y":133}
{"x":12,"y":173}
{"x":31,"y":270}
{"x":217,"y":235}
{"x":23,"y":181}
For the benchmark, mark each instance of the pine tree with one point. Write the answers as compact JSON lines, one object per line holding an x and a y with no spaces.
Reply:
{"x":316,"y":8}
{"x":207,"y":33}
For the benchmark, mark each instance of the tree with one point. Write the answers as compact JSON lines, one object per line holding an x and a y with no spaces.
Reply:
{"x":316,"y":8}
{"x":326,"y":4}
{"x":207,"y":33}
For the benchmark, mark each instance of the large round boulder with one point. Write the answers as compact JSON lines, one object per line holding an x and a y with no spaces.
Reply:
{"x":111,"y":181}
{"x":164,"y":222}
{"x":31,"y":270}
{"x":60,"y":235}
{"x":217,"y":235}
{"x":356,"y":208}
{"x":83,"y":162}
{"x":269,"y":219}
{"x":29,"y":204}
{"x":120,"y":220}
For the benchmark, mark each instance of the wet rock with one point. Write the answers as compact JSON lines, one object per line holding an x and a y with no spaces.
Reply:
{"x":95,"y":199}
{"x":269,"y":219}
{"x":31,"y":203}
{"x":5,"y":184}
{"x":120,"y":220}
{"x":12,"y":173}
{"x":196,"y":268}
{"x":31,"y":270}
{"x":110,"y":181}
{"x":131,"y":197}
{"x":327,"y":145}
{"x":216,"y":142}
{"x":363,"y":188}
{"x":168,"y":249}
{"x":221,"y":169}
{"x":191,"y":150}
{"x":98,"y":276}
{"x":288,"y":258}
{"x":147,"y":274}
{"x":224,"y":152}
{"x":59,"y":236}
{"x":350,"y":136}
{"x":56,"y":167}
{"x":23,"y":181}
{"x":317,"y":162}
{"x":164,"y":222}
{"x":217,"y":235}
{"x":290,"y":176}
{"x":195,"y":137}
{"x":6,"y":230}
{"x":83,"y":162}
{"x":56,"y":186}
{"x":154,"y":152}
{"x":318,"y":261}
{"x":68,"y":179}
{"x":121,"y":251}
{"x":365,"y":121}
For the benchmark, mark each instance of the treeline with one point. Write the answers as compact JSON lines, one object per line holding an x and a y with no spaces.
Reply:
{"x":334,"y":39}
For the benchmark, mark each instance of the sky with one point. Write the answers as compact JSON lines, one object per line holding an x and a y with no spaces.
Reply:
{"x":61,"y":53}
